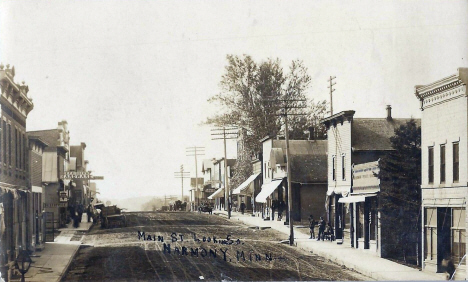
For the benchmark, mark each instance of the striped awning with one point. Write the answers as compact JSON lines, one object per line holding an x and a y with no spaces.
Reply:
{"x":356,"y":198}
{"x":267,"y":189}
{"x":217,"y":194}
{"x":243,"y":187}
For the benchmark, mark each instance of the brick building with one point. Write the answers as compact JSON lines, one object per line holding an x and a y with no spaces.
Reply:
{"x":15,"y":193}
{"x":56,"y":161}
{"x":36,"y":148}
{"x":444,"y":145}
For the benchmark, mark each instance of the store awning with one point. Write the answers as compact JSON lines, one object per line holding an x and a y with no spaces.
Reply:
{"x":217,"y":194}
{"x":243,"y":187}
{"x":267,"y":189}
{"x":355,"y":198}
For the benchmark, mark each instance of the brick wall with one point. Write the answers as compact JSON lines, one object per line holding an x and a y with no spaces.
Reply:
{"x":13,"y":151}
{"x":36,"y":168}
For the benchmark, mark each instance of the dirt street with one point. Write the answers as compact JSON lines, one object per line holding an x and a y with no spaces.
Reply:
{"x":180,"y":246}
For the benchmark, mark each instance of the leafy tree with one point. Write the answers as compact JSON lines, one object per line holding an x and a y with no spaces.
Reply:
{"x":248,"y":92}
{"x":400,"y":201}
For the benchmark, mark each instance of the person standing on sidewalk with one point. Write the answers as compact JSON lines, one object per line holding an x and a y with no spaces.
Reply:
{"x":89,"y":212}
{"x":274,"y":205}
{"x":80,"y":212}
{"x":281,"y":207}
{"x":312,"y":224}
{"x":321,"y":229}
{"x":242,"y":207}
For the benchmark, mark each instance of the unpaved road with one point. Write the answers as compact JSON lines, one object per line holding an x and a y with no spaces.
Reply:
{"x":120,"y":254}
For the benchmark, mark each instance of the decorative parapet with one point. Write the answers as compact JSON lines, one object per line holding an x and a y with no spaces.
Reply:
{"x":444,"y":90}
{"x":15,"y":94}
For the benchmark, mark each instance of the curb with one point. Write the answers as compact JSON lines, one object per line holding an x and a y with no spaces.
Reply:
{"x":65,"y":270}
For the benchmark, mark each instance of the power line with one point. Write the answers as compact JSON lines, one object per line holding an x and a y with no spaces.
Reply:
{"x":182,"y":174}
{"x":227,"y":133}
{"x":285,"y":105}
{"x":196,"y":151}
{"x":331,"y":92}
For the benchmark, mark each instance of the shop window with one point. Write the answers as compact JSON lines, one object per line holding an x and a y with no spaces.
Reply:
{"x":9,"y":144}
{"x":360,"y":220}
{"x":373,"y":218}
{"x":4,"y":142}
{"x":430,"y":234}
{"x":442,"y":163}
{"x":456,"y":164}
{"x":343,"y":167}
{"x":333,"y":169}
{"x":458,"y":235}
{"x":431,"y":165}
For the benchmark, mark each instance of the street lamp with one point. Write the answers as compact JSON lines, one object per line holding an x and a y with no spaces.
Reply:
{"x":23,"y":262}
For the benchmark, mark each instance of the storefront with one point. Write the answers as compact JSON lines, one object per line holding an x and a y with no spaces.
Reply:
{"x":245,"y":192}
{"x":267,"y":195}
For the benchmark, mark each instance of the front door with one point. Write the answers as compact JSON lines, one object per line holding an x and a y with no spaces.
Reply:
{"x":444,"y":220}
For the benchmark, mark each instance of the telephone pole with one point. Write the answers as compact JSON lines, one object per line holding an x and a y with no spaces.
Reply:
{"x":331,"y":92}
{"x":286,"y":105}
{"x":196,"y":151}
{"x":182,"y":174}
{"x":227,"y":133}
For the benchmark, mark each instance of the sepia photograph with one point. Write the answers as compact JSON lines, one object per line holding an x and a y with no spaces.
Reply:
{"x":204,"y":140}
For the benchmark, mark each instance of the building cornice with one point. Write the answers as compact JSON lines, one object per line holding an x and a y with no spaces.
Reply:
{"x":443,"y":90}
{"x":13,"y":93}
{"x":338,"y":118}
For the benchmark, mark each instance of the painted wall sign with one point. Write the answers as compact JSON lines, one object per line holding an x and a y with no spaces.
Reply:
{"x":55,"y":205}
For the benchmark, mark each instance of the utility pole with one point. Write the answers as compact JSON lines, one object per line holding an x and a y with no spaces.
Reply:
{"x":331,"y":92}
{"x":227,"y":133}
{"x":286,"y":105}
{"x":182,"y":174}
{"x":196,"y":151}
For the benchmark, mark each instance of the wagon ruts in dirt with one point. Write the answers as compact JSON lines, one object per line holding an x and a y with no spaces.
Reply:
{"x":112,"y":216}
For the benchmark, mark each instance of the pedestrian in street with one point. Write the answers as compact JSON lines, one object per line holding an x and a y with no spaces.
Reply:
{"x":321,"y":229}
{"x":312,"y":224}
{"x":242,"y":207}
{"x":274,"y":206}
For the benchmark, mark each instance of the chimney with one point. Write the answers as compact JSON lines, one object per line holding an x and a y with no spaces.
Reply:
{"x":389,"y":112}
{"x":311,"y":133}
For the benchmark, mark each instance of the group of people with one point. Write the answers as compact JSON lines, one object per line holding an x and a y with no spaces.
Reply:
{"x":76,"y":213}
{"x":277,"y":205}
{"x":325,"y":230}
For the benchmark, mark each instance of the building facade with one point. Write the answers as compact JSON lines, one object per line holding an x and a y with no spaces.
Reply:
{"x":308,"y":178}
{"x":444,"y":167}
{"x":15,"y":192}
{"x":55,"y":162}
{"x":353,"y":214}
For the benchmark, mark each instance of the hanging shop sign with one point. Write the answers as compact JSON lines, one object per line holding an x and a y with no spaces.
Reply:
{"x":55,"y":205}
{"x":63,"y":197}
{"x":80,"y":175}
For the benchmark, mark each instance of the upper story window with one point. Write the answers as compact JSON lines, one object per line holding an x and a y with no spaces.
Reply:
{"x":456,"y":164}
{"x":431,"y":164}
{"x":343,"y":167}
{"x":442,"y":163}
{"x":333,"y":169}
{"x":4,"y":142}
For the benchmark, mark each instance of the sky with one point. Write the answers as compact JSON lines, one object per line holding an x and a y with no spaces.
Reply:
{"x":132,"y":78}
